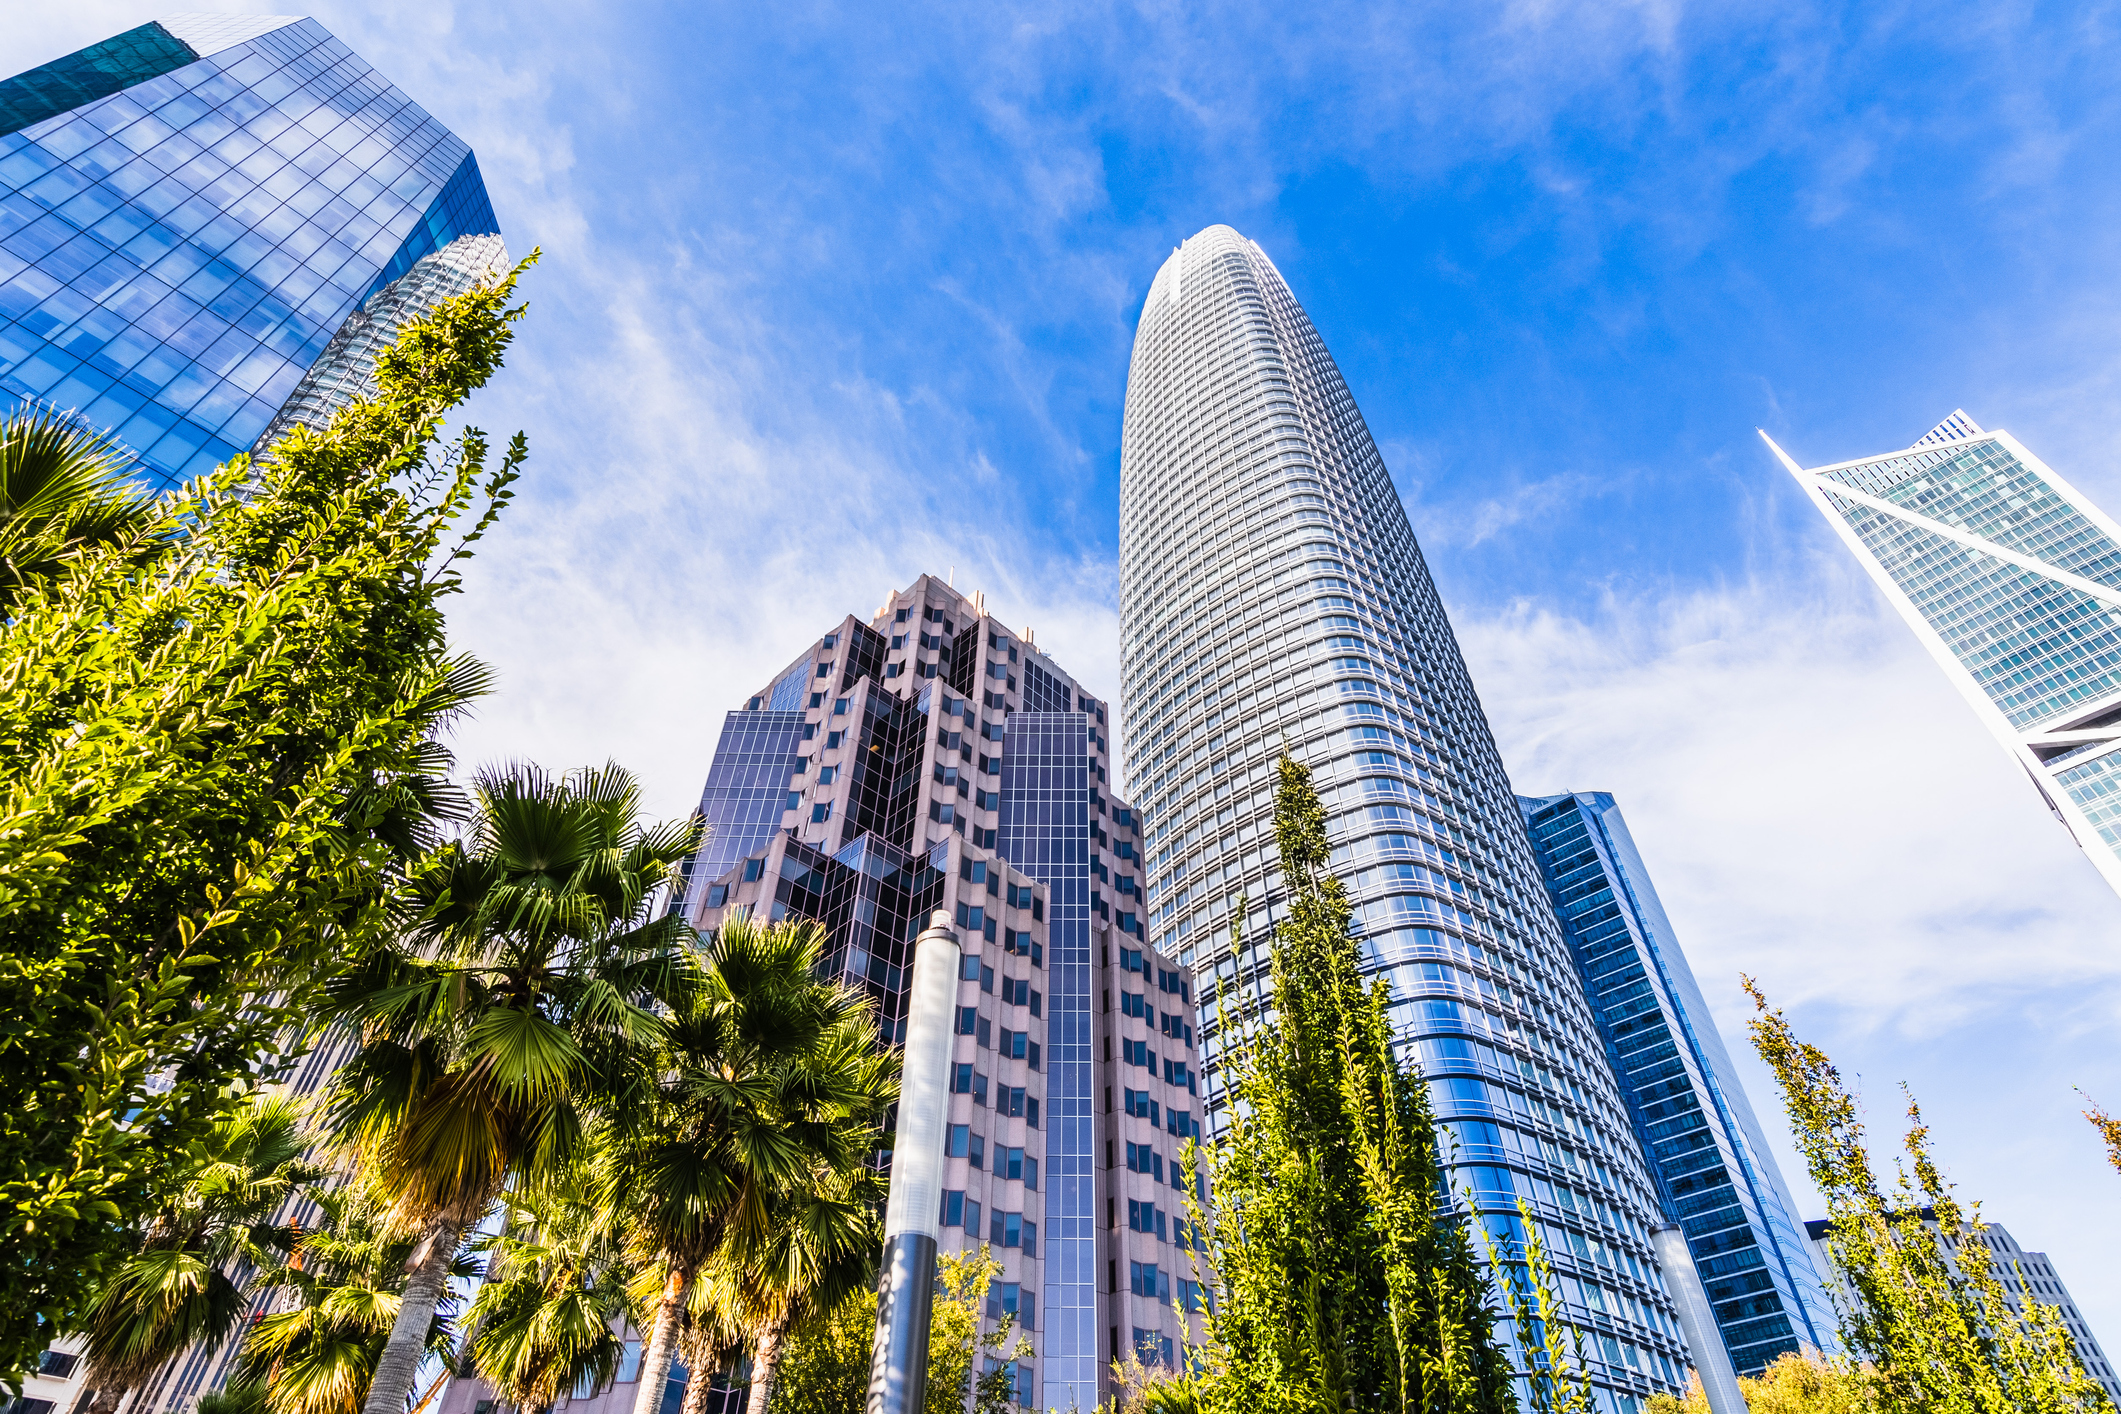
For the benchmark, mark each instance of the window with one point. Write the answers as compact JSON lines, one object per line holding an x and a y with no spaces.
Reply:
{"x":1143,"y":1159}
{"x":1130,"y":960}
{"x":629,"y":1363}
{"x":833,"y":739}
{"x":827,"y":775}
{"x":717,"y":895}
{"x":1146,"y":1217}
{"x":1008,"y":1298}
{"x":57,"y":1364}
{"x":1153,"y":1349}
{"x":960,"y":1211}
{"x":753,"y":868}
{"x":975,"y":919}
{"x":809,"y":731}
{"x":988,"y":799}
{"x":1133,"y":1004}
{"x":898,"y":640}
{"x":817,"y":699}
{"x":1013,"y":1230}
{"x":1014,"y":1103}
{"x":1182,"y":1124}
{"x":964,"y":1080}
{"x":1175,"y":1073}
{"x":942,"y":814}
{"x":824,"y":670}
{"x":821,"y":812}
{"x":1012,"y":1163}
{"x":967,"y":1020}
{"x":839,"y":708}
{"x":900,"y":616}
{"x":795,"y":801}
{"x":1021,"y":944}
{"x":1018,"y":1045}
{"x":1194,"y":1298}
{"x":1138,"y":1053}
{"x":1146,"y":1279}
{"x":964,"y":1144}
{"x":1141,"y":1105}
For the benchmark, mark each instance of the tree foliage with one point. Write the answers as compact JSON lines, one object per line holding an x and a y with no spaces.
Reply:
{"x":826,"y":1369}
{"x":1931,"y":1321}
{"x":336,"y":1297}
{"x":1347,"y":1277}
{"x":768,"y":1077}
{"x":1794,"y":1384}
{"x":525,"y":998}
{"x":216,"y":739}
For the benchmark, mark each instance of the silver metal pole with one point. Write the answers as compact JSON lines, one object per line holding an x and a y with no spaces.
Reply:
{"x":1711,"y":1361}
{"x":898,"y":1366}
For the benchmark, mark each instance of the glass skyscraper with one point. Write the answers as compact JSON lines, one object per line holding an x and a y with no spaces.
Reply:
{"x":190,"y":210}
{"x":1272,"y":596}
{"x":2012,"y":580}
{"x":209,"y":226}
{"x":1708,"y":1157}
{"x":931,"y":758}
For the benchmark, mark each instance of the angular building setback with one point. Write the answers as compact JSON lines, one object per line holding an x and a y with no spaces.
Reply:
{"x":191,"y":210}
{"x":2012,"y":580}
{"x":930,"y":758}
{"x":1714,"y":1172}
{"x":1273,"y":597}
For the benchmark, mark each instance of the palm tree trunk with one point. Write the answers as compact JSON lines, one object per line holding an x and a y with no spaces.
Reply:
{"x":766,"y":1364}
{"x":662,"y":1344}
{"x":426,"y":1279}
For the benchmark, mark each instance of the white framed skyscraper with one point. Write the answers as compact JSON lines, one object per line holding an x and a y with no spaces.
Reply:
{"x":2011,"y":578}
{"x":1272,"y":595}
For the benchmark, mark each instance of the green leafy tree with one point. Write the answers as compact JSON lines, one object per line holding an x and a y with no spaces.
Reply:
{"x":1794,"y":1384}
{"x":818,"y":1249}
{"x":826,"y":1370}
{"x":1931,"y":1320}
{"x":344,"y":1277}
{"x":1347,"y":1278}
{"x":216,"y":735}
{"x":546,"y":1316}
{"x":767,"y":1075}
{"x":178,"y":1287}
{"x":1557,"y":1377}
{"x":524,"y":996}
{"x":63,"y":491}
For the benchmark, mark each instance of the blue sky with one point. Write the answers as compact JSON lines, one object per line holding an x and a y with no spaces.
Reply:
{"x":832,"y":296}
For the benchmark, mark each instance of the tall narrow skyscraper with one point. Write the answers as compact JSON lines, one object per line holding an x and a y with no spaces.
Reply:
{"x":1273,"y":597}
{"x":191,"y":210}
{"x":2012,"y":580}
{"x":1711,"y":1163}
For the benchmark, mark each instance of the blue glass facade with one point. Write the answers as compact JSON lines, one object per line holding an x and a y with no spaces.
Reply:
{"x":1711,"y":1164}
{"x":1273,"y":599}
{"x":1045,"y":832}
{"x":747,"y":788}
{"x":179,"y":244}
{"x":2011,"y":578}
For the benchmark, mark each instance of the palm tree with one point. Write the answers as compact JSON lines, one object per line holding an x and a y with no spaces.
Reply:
{"x":183,"y":1283}
{"x":546,"y":1315}
{"x":768,"y":1075}
{"x":819,"y":1248}
{"x":525,"y":991}
{"x":63,"y":489}
{"x":346,"y":1273}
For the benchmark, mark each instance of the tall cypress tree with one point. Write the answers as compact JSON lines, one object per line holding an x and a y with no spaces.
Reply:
{"x":1347,"y":1278}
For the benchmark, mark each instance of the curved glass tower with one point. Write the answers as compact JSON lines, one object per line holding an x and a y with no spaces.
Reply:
{"x":1273,"y":595}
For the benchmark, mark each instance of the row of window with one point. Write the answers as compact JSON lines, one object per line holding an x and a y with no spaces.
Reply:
{"x":1010,"y":1101}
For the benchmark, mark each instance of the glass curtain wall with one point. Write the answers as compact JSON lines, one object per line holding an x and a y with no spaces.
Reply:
{"x":1272,"y":598}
